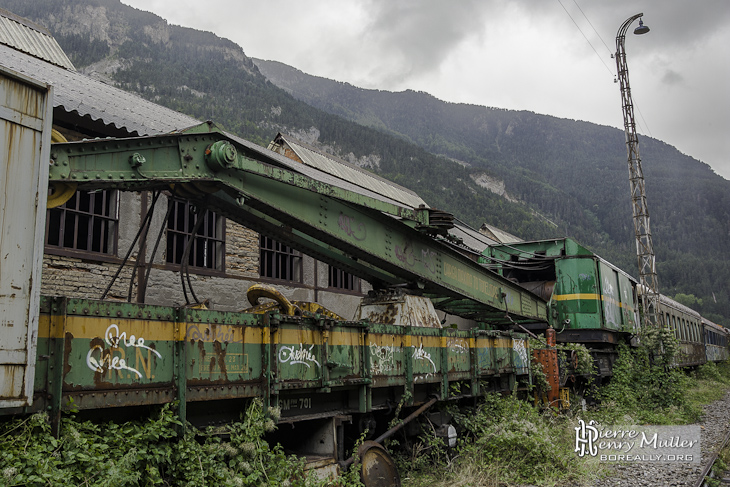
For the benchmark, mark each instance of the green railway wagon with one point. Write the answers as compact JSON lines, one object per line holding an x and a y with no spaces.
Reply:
{"x":590,"y":301}
{"x":114,"y":359}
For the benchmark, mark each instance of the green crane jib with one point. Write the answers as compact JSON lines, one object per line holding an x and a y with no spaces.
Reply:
{"x":369,"y":236}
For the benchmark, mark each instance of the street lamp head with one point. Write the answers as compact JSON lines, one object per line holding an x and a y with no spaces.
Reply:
{"x":641,"y":29}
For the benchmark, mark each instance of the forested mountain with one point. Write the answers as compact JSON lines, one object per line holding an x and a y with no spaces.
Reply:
{"x":549,"y":177}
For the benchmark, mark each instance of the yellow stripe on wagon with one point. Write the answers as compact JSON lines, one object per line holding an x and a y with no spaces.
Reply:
{"x":593,"y":297}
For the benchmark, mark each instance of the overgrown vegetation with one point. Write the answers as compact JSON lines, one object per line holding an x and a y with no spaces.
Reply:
{"x":503,"y":440}
{"x":508,"y":441}
{"x":148,"y":453}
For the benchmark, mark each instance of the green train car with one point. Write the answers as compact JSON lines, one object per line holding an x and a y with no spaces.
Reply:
{"x":332,"y":378}
{"x":590,"y":300}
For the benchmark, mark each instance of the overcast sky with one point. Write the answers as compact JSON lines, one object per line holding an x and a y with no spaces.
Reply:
{"x":547,"y":56}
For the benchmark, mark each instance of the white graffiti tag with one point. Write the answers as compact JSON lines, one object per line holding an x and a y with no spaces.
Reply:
{"x":292,"y":355}
{"x":609,"y":302}
{"x":383,"y":358}
{"x":100,"y":360}
{"x":420,"y":354}
{"x":518,"y":345}
{"x":113,"y":338}
{"x":458,"y":346}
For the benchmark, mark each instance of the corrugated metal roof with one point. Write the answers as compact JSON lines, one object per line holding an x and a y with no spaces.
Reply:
{"x":314,"y":173}
{"x":471,"y":237}
{"x":352,"y":173}
{"x":32,"y":39}
{"x":499,"y":235}
{"x":100,"y":102}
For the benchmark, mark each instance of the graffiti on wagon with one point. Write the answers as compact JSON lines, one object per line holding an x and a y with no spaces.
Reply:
{"x":113,"y":356}
{"x":293,"y":355}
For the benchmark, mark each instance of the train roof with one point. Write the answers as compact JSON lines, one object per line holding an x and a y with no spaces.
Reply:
{"x":667,"y":301}
{"x":554,"y":248}
{"x":715,"y":326}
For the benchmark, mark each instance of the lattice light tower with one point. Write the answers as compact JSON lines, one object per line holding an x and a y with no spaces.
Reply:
{"x":644,"y":244}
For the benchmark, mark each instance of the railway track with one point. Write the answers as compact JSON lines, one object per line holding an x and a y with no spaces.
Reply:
{"x":707,"y":470}
{"x":715,"y":433}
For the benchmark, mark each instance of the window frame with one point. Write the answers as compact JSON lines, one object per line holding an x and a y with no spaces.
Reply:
{"x":108,"y":220}
{"x":342,"y":275}
{"x":218,"y":226}
{"x":280,"y":252}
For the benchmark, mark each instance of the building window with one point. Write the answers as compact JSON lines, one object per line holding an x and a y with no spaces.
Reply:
{"x":279,"y":261}
{"x":207,"y":250}
{"x":87,"y":222}
{"x":340,"y":279}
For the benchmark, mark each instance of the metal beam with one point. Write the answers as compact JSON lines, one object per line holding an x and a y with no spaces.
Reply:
{"x":354,"y":230}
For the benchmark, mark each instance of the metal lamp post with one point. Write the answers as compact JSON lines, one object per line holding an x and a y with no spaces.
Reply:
{"x":644,"y":244}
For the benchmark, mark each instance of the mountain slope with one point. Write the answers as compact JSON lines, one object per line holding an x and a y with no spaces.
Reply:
{"x":570,"y":170}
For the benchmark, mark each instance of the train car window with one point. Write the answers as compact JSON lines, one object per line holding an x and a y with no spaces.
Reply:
{"x":683,"y":327}
{"x":678,"y":326}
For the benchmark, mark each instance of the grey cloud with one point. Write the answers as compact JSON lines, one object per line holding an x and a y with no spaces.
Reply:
{"x":421,"y":34}
{"x":672,"y":77}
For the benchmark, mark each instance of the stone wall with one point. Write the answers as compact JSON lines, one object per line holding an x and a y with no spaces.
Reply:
{"x":84,"y":276}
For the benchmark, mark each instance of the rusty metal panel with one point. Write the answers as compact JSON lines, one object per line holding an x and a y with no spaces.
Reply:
{"x":345,"y":362}
{"x":425,"y":354}
{"x":387,"y":354}
{"x":114,"y":354}
{"x":485,"y":356}
{"x":224,"y":355}
{"x":398,"y":308}
{"x":458,"y":352}
{"x":298,"y":359}
{"x":503,"y":354}
{"x":26,"y":117}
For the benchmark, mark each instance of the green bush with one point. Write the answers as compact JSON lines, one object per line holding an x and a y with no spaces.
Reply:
{"x":149,"y":453}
